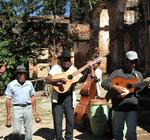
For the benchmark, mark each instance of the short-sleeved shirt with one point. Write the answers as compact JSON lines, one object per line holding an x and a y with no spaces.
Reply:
{"x":20,"y":94}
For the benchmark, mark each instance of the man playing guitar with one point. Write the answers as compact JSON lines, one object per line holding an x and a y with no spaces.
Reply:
{"x":62,"y":95}
{"x":63,"y":78}
{"x":124,"y":102}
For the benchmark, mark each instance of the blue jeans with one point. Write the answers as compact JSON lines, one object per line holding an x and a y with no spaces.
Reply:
{"x":22,"y":115}
{"x":118,"y":122}
{"x":58,"y":109}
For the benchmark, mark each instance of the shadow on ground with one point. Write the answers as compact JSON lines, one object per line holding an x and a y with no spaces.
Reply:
{"x":86,"y":133}
{"x":144,"y":120}
{"x":45,"y":133}
{"x":144,"y":109}
{"x":9,"y":137}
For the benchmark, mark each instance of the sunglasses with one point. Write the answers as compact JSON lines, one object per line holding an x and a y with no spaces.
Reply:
{"x":132,"y":61}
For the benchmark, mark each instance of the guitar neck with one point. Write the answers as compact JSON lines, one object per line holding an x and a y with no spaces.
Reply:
{"x":96,"y":60}
{"x":80,"y":70}
{"x":138,"y":85}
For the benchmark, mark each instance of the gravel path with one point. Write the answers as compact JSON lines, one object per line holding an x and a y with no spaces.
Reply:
{"x":45,"y":131}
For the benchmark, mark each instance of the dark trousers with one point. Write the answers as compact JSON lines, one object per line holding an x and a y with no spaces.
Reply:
{"x":58,"y":109}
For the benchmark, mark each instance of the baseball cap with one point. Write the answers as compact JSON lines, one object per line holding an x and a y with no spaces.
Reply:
{"x":131,"y":55}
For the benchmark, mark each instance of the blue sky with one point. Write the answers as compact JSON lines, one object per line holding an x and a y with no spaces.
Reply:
{"x":67,"y":13}
{"x":67,"y":7}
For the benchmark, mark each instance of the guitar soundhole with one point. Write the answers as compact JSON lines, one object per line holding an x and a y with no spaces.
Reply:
{"x":70,"y":77}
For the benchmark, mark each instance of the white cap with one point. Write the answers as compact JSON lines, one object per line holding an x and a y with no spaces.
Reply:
{"x":131,"y":55}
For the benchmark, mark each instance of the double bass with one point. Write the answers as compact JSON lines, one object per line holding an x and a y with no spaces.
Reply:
{"x":88,"y":92}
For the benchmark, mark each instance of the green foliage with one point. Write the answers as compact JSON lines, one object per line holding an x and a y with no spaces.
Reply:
{"x":54,"y":7}
{"x":93,"y":2}
{"x":20,"y":39}
{"x":81,"y":8}
{"x":18,"y":43}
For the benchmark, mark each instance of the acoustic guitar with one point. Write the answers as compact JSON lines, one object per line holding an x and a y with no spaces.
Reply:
{"x":120,"y":81}
{"x":126,"y":83}
{"x":72,"y":76}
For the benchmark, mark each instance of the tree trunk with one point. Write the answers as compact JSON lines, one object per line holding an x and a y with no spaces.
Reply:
{"x":116,"y":14}
{"x":146,"y":7}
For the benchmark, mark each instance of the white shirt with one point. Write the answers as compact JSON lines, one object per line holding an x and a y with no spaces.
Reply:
{"x":98,"y":74}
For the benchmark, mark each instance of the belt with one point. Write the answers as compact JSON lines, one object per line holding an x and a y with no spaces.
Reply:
{"x":22,"y":105}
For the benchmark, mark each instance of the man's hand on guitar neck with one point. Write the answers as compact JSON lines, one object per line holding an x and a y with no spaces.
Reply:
{"x":91,"y":66}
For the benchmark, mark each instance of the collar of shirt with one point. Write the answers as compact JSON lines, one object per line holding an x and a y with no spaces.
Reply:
{"x":18,"y":84}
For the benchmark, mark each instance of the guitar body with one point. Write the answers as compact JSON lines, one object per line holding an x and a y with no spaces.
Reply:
{"x":62,"y":88}
{"x":88,"y":92}
{"x":120,"y":81}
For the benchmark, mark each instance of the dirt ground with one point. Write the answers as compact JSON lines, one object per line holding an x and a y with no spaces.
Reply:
{"x":44,"y":130}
